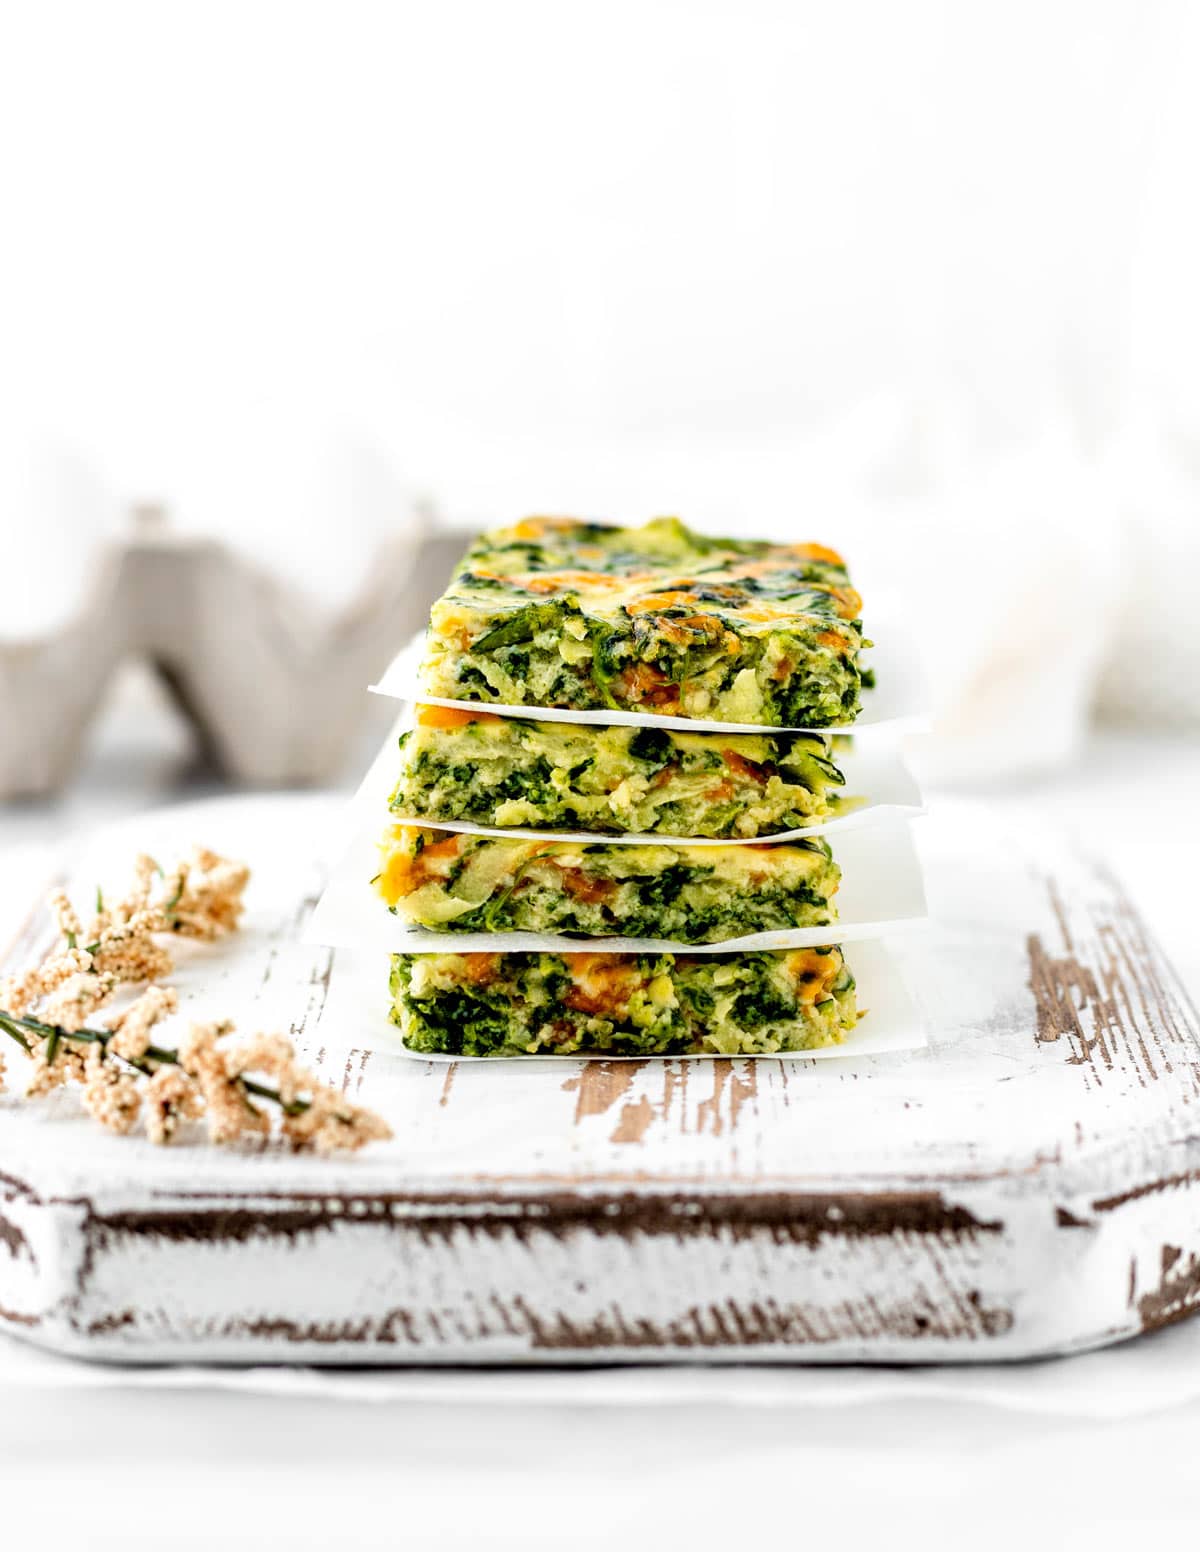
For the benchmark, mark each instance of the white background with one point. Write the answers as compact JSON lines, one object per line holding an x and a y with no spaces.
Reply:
{"x":547,"y":253}
{"x":917,"y":280}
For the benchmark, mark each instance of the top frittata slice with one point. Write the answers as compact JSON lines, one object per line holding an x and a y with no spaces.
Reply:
{"x":586,"y":617}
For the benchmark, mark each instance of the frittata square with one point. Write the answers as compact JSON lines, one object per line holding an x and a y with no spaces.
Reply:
{"x":685,"y":894}
{"x":582,"y":616}
{"x":622,"y":1004}
{"x":515,"y":772}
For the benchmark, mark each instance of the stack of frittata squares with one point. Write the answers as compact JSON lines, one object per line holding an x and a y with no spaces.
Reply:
{"x":624,"y":811}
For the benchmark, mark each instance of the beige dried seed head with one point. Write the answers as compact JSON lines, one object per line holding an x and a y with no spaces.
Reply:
{"x":65,"y":915}
{"x":111,"y":1093}
{"x":230,"y":1113}
{"x":132,"y":1029}
{"x":144,"y":869}
{"x":69,"y":1065}
{"x":76,"y":1000}
{"x":169,"y":1097}
{"x":201,"y":898}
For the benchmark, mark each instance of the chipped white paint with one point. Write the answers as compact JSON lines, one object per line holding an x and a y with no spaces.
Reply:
{"x":1029,"y":1184}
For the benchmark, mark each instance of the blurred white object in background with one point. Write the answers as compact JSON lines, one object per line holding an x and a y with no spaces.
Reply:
{"x":894,"y":278}
{"x":60,"y":642}
{"x":1151,"y":671}
{"x":313,"y":505}
{"x":1004,"y":564}
{"x":56,"y":515}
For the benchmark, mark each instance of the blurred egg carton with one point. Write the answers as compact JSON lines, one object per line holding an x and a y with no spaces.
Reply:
{"x":271,"y":680}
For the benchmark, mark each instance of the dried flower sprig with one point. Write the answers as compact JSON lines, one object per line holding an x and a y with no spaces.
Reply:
{"x":124,"y":1073}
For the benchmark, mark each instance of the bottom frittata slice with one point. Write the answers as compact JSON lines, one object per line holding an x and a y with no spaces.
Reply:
{"x":622,"y":1004}
{"x":688,"y":894}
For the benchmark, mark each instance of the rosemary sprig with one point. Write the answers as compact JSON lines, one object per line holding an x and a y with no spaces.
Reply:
{"x":10,"y":1028}
{"x":201,"y":899}
{"x":18,"y":1026}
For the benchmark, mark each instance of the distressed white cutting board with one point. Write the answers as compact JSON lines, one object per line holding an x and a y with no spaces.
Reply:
{"x":1028,"y":1184}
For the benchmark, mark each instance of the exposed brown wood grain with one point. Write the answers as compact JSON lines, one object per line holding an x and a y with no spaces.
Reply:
{"x":635,"y":1120}
{"x":804,"y":1218}
{"x":1104,"y":995}
{"x":20,"y":1318}
{"x":599,"y":1085}
{"x":1177,"y":1293}
{"x":737,"y":1087}
{"x":944,"y":1309}
{"x":1063,"y":990}
{"x":760,"y":1324}
{"x":352,"y":1073}
{"x":602,"y":1085}
{"x":14,"y":1240}
{"x":1185,"y":1179}
{"x":704,"y":1328}
{"x":318,"y":986}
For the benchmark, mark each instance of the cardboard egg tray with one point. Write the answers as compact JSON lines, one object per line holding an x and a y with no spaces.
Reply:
{"x":271,"y":684}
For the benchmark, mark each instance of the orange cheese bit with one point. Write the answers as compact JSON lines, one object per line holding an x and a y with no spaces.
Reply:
{"x":763,"y":614}
{"x":645,"y":683}
{"x":667,"y":600}
{"x":815,"y":552}
{"x":743,"y":767}
{"x":814,"y":973}
{"x":395,"y":878}
{"x":452,"y":717}
{"x":406,"y":869}
{"x":559,"y":581}
{"x":449,"y":623}
{"x":601,"y":983}
{"x":479,"y":969}
{"x":681,"y":633}
{"x":538,"y":527}
{"x":849,"y":601}
{"x":592,"y":891}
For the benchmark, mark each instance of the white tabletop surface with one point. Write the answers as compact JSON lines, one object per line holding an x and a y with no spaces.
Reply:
{"x":94,"y":1458}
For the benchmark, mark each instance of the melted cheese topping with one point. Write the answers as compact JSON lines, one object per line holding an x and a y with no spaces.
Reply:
{"x":452,"y":717}
{"x":663,"y":566}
